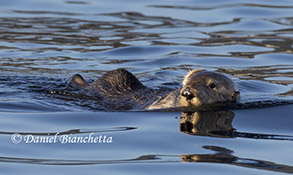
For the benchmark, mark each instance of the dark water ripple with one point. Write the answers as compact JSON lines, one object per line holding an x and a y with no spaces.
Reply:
{"x":53,"y":44}
{"x":221,"y":156}
{"x":73,"y":131}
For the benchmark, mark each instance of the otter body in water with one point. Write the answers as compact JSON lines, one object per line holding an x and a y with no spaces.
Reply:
{"x":200,"y":88}
{"x":121,"y":90}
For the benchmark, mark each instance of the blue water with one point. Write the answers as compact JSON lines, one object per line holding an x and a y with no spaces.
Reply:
{"x":43,"y":43}
{"x":145,"y":143}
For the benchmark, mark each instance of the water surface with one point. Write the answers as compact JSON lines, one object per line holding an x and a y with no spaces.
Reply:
{"x":43,"y":43}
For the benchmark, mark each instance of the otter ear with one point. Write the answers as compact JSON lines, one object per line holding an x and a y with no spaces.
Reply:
{"x":235,"y":95}
{"x":190,"y":73}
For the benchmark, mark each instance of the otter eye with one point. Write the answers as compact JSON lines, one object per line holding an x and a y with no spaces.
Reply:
{"x":212,"y":85}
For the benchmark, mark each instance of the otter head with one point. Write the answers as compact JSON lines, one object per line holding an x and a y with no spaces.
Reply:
{"x":202,"y":87}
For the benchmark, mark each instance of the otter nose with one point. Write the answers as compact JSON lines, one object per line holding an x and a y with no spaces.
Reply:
{"x":187,"y":93}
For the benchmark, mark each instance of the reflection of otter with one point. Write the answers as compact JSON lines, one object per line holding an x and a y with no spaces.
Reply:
{"x":219,"y":124}
{"x":120,"y":89}
{"x":224,"y":155}
{"x":207,"y":123}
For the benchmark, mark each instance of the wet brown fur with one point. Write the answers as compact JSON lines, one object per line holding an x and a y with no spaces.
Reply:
{"x":199,"y":82}
{"x":121,"y":90}
{"x":118,"y":89}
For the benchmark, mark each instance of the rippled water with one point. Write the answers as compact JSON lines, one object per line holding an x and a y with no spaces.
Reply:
{"x":43,"y":43}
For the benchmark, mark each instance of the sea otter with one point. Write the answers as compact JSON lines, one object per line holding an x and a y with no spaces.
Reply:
{"x":121,"y":90}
